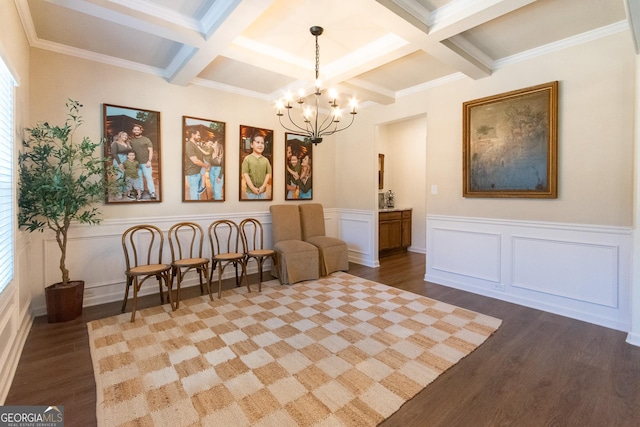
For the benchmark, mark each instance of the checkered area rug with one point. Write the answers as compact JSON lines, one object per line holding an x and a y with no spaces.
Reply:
{"x":339,"y":351}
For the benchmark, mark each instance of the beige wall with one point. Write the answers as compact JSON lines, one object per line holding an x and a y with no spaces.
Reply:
{"x":56,"y":77}
{"x":595,"y":138}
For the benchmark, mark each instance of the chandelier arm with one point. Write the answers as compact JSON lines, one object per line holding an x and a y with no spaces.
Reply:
{"x":293,"y":122}
{"x":306,"y":131}
{"x":324,"y":126}
{"x":341,"y":129}
{"x":323,"y":130}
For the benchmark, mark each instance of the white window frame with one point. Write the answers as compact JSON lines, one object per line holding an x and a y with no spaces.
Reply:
{"x":7,"y":175}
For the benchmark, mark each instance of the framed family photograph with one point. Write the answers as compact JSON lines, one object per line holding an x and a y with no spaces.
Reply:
{"x":298,"y":178}
{"x":202,"y":160}
{"x":256,"y":163}
{"x":132,"y":141}
{"x":510,"y":146}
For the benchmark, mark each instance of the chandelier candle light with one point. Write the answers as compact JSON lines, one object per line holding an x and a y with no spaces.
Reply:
{"x":312,"y":128}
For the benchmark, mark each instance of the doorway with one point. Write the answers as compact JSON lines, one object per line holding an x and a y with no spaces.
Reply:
{"x":404,"y":146}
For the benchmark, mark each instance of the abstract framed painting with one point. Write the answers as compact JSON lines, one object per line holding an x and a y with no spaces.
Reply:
{"x":510,"y":146}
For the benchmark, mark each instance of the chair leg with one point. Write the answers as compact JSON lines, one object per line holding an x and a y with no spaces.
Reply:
{"x":135,"y":299}
{"x":220,"y":269}
{"x":205,"y":272}
{"x":200,"y":277}
{"x":176,"y":304}
{"x":260,"y":262}
{"x":126,"y":293}
{"x":213,"y":269}
{"x":162,"y":300}
{"x":246,"y":276}
{"x":276,"y":260}
{"x":235,"y":264}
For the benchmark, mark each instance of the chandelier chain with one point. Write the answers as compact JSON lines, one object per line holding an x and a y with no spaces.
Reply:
{"x":317,"y":60}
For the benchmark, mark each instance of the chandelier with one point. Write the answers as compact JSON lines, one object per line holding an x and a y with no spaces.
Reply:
{"x":312,"y":127}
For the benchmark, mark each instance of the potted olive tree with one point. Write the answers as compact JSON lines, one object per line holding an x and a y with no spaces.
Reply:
{"x":60,"y":180}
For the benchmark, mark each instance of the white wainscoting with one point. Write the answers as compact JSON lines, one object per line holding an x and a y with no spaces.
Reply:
{"x":579,"y":271}
{"x":15,"y":320}
{"x":95,"y":252}
{"x":359,"y":229}
{"x":95,"y":255}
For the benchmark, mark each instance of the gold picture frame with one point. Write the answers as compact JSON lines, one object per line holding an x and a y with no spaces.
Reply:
{"x":510,"y":146}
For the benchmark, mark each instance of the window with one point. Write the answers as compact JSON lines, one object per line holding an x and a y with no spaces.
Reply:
{"x":7,"y":181}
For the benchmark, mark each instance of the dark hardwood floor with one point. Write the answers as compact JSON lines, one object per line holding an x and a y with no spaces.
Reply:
{"x":538,"y":369}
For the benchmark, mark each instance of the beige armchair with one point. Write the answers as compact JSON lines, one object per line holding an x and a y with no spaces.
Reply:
{"x":334,"y":254}
{"x":296,"y":260}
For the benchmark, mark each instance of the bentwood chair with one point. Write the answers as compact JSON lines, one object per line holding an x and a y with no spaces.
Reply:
{"x":297,"y":260}
{"x":186,"y":241}
{"x":334,"y":253}
{"x":142,"y":245}
{"x":253,"y":238}
{"x":226,"y":248}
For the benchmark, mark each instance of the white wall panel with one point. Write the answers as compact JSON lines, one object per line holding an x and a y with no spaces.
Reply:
{"x":585,"y":272}
{"x":467,"y":253}
{"x":579,"y":271}
{"x":359,"y":230}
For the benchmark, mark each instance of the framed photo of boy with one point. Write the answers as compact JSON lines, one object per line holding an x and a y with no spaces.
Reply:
{"x":132,"y":141}
{"x":202,"y":160}
{"x":256,"y":163}
{"x":510,"y":144}
{"x":298,"y":183}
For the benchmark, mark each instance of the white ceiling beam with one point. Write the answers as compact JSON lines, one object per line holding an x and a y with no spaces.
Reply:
{"x":410,"y":11}
{"x":363,"y":90}
{"x":124,"y":17}
{"x":233,"y":21}
{"x":443,"y":28}
{"x":461,"y":15}
{"x":460,"y":59}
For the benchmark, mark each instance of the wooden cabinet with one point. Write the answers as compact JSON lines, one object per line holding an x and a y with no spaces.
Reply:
{"x":394,"y":231}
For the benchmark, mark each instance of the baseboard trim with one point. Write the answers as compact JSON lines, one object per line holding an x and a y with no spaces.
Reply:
{"x":8,"y":370}
{"x":633,"y":339}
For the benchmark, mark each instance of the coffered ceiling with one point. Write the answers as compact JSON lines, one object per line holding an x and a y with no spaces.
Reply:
{"x":377,"y":50}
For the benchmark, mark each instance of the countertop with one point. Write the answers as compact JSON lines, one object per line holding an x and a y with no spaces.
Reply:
{"x":394,"y":209}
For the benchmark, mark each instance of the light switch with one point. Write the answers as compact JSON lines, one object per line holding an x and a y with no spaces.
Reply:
{"x":434,"y":189}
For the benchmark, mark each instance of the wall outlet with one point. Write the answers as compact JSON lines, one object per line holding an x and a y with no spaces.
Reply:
{"x":434,"y":189}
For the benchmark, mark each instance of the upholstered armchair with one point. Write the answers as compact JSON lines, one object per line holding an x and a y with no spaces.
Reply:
{"x":334,"y":254}
{"x":297,"y":260}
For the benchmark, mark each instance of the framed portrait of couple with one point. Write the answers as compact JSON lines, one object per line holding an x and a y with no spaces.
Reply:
{"x":298,"y":177}
{"x":203,"y":160}
{"x":132,"y":143}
